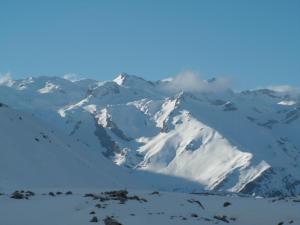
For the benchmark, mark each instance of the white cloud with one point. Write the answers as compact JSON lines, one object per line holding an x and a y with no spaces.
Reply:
{"x":72,"y":77}
{"x":283,"y":88}
{"x":191,"y":82}
{"x":6,"y":80}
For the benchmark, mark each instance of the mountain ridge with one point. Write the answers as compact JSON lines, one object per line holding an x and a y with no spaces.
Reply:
{"x":224,"y":140}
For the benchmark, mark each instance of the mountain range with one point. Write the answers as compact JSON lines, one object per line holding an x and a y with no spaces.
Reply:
{"x":166,"y":134}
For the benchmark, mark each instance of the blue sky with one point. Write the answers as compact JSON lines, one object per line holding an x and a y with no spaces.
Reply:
{"x":255,"y":42}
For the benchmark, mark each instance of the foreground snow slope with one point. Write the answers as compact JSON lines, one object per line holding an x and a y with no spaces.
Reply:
{"x":34,"y":156}
{"x":224,"y":140}
{"x":146,"y":208}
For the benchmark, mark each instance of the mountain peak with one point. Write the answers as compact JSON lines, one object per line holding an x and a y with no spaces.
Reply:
{"x":121,"y":78}
{"x":125,"y":79}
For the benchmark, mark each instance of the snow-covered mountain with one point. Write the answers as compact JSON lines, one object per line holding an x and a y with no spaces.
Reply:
{"x":224,"y":140}
{"x":34,"y":156}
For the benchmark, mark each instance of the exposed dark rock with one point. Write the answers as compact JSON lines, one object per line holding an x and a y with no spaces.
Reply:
{"x":51,"y":194}
{"x":197,"y":202}
{"x":111,"y":221}
{"x":194,"y":145}
{"x":29,"y":193}
{"x":76,"y":127}
{"x":22,"y":194}
{"x":117,"y":194}
{"x":135,"y":197}
{"x":226,"y":204}
{"x":106,"y":141}
{"x":116,"y":130}
{"x":120,"y":195}
{"x":94,"y":219}
{"x":222,"y":218}
{"x":229,"y":106}
{"x":98,"y":205}
{"x":268,"y":124}
{"x":89,"y":195}
{"x":3,"y":105}
{"x":251,"y":118}
{"x":17,"y":195}
{"x":69,"y":193}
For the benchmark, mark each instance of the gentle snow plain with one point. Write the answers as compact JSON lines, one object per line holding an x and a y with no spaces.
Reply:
{"x":153,"y":208}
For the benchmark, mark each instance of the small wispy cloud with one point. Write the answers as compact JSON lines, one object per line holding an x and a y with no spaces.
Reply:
{"x":72,"y":77}
{"x":285,"y":90}
{"x":192,"y":82}
{"x":6,"y":79}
